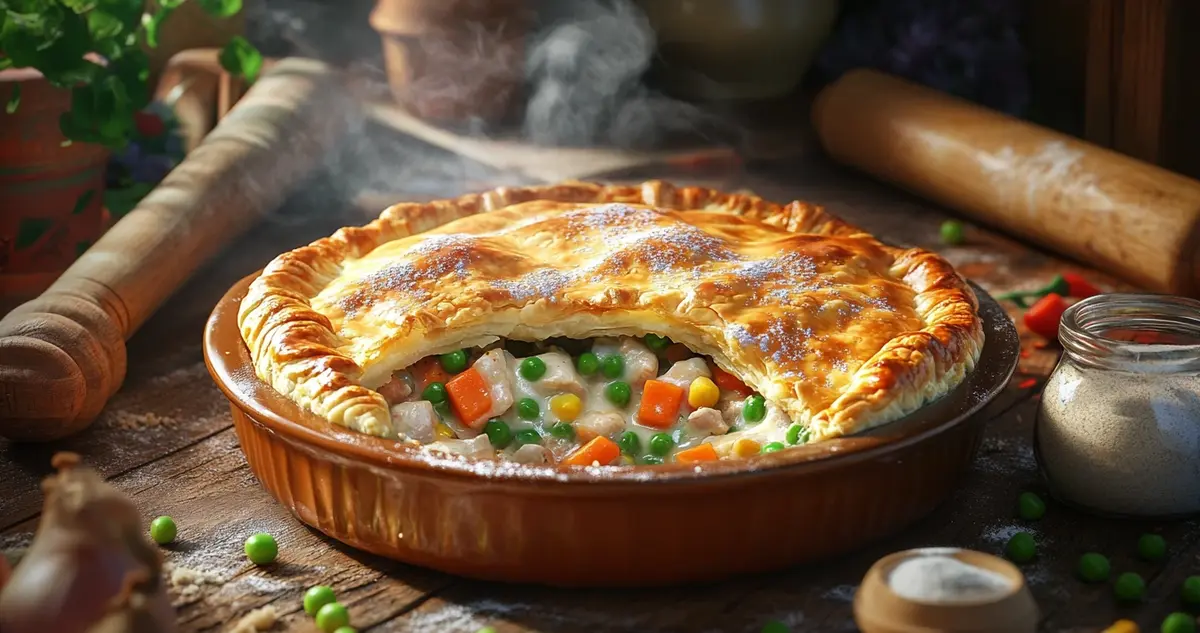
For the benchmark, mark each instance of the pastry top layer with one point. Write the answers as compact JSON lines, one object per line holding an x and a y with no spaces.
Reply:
{"x":842,"y":332}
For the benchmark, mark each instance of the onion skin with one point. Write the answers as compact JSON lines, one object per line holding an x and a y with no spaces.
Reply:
{"x":90,"y":568}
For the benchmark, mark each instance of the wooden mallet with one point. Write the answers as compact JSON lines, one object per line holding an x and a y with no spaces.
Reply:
{"x":62,"y":355}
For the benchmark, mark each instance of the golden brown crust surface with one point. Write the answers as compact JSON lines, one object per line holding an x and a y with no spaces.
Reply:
{"x":841,"y":331}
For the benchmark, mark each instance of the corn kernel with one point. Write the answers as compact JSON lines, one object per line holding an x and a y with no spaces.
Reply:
{"x":703,"y":392}
{"x":746,"y":447}
{"x":1122,"y":626}
{"x":443,"y":430}
{"x":566,"y":406}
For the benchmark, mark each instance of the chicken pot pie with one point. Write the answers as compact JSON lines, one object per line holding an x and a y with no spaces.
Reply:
{"x":582,"y":324}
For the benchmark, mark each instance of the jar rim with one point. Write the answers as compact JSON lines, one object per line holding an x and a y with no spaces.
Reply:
{"x":1082,"y":332}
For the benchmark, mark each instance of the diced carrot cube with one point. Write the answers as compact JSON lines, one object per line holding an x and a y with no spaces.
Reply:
{"x":600,"y":450}
{"x":702,"y":453}
{"x":660,"y":404}
{"x":470,"y":397}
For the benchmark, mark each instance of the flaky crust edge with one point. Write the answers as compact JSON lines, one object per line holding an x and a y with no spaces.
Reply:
{"x":294,"y":348}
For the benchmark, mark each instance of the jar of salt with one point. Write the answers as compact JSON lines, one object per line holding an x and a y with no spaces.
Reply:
{"x":1118,"y":429}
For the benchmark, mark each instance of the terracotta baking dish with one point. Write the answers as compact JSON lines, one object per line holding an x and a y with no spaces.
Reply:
{"x":630,"y":526}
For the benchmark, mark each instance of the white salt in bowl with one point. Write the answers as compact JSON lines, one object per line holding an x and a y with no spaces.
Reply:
{"x":944,"y":589}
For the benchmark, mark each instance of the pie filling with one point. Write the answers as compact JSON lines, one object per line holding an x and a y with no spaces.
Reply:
{"x":604,"y":401}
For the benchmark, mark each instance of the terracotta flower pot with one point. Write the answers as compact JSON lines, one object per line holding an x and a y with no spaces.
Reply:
{"x":451,"y":60}
{"x":51,"y":196}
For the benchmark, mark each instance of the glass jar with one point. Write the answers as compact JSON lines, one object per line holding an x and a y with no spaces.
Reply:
{"x":1118,"y":430}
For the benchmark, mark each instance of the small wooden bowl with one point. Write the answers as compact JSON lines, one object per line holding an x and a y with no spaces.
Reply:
{"x":620,"y":526}
{"x":879,"y":609}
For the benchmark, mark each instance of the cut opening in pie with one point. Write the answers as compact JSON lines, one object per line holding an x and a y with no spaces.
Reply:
{"x":602,"y":401}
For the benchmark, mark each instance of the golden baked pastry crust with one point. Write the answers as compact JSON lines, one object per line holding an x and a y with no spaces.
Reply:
{"x":842,"y":332}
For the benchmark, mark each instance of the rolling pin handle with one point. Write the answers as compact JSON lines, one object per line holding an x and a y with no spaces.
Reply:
{"x":64,"y":357}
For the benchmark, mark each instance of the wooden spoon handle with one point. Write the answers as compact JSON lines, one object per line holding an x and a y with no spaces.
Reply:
{"x":1131,"y":218}
{"x":62,"y":355}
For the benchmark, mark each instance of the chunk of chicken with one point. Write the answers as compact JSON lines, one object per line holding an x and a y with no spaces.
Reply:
{"x":493,"y":366}
{"x":533,"y":455}
{"x":560,"y":376}
{"x":478,"y":447}
{"x":682,"y":374}
{"x":593,"y":424}
{"x":415,"y":419}
{"x":398,"y":388}
{"x":707,"y":421}
{"x":731,"y":407}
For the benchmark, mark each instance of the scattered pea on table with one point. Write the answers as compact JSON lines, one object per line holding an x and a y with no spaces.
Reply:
{"x":953,"y":233}
{"x":163,"y":530}
{"x":1094,"y":567}
{"x":1189,"y":592}
{"x":262,"y":549}
{"x":776,"y":627}
{"x":1021,"y":548}
{"x":487,"y":629}
{"x":1179,"y":623}
{"x":346,"y":629}
{"x":1129,"y":587}
{"x":1030,"y":506}
{"x":1152,"y":548}
{"x":317,"y":597}
{"x":332,"y":617}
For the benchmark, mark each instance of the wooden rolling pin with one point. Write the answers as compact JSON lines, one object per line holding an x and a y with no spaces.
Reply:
{"x":62,"y":355}
{"x":1127,"y":217}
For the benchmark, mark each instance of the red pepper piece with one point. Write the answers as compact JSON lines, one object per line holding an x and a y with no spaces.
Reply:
{"x":149,"y":125}
{"x":1042,"y":318}
{"x":1080,"y":287}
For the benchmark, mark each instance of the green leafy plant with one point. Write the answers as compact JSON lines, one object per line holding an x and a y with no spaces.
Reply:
{"x":95,"y":49}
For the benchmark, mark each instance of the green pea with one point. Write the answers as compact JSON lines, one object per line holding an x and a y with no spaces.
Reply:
{"x":317,"y":597}
{"x":953,"y":233}
{"x":487,"y":629}
{"x":772,"y":447}
{"x":776,"y":627}
{"x":454,"y":362}
{"x":434,"y":392}
{"x":532,"y":368}
{"x":798,"y":434}
{"x":733,"y":429}
{"x":527,"y":436}
{"x":528,"y":409}
{"x":498,"y":432}
{"x":1094,"y":567}
{"x":612,"y":366}
{"x":1129,"y":587}
{"x":618,"y":393}
{"x":442,"y":409}
{"x":1190,"y":591}
{"x":587,"y":364}
{"x":1021,"y":548}
{"x":346,"y":629}
{"x":755,"y":408}
{"x":1179,"y":623}
{"x":656,"y":342}
{"x":650,"y":460}
{"x":1030,"y":506}
{"x":332,"y":617}
{"x":163,"y":530}
{"x":630,"y":443}
{"x":661,"y":444}
{"x":1152,"y":548}
{"x":262,"y":549}
{"x":563,"y":430}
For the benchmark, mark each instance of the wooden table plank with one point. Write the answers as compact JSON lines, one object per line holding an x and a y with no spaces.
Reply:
{"x":190,"y":467}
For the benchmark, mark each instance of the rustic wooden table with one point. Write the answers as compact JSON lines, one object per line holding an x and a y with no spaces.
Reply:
{"x":166,"y":439}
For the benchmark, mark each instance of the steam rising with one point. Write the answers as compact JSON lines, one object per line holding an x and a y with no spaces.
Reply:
{"x":586,"y":77}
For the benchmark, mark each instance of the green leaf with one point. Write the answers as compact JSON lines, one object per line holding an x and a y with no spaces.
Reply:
{"x":14,"y":99}
{"x":221,"y":8}
{"x":171,"y":4}
{"x":82,"y":202}
{"x":79,"y":6}
{"x":104,"y":25}
{"x":240,"y":58}
{"x":151,"y":25}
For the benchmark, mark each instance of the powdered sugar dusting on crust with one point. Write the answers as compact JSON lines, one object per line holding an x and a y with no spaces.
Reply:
{"x":609,"y":216}
{"x":441,"y":255}
{"x":543,"y":283}
{"x":782,"y":340}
